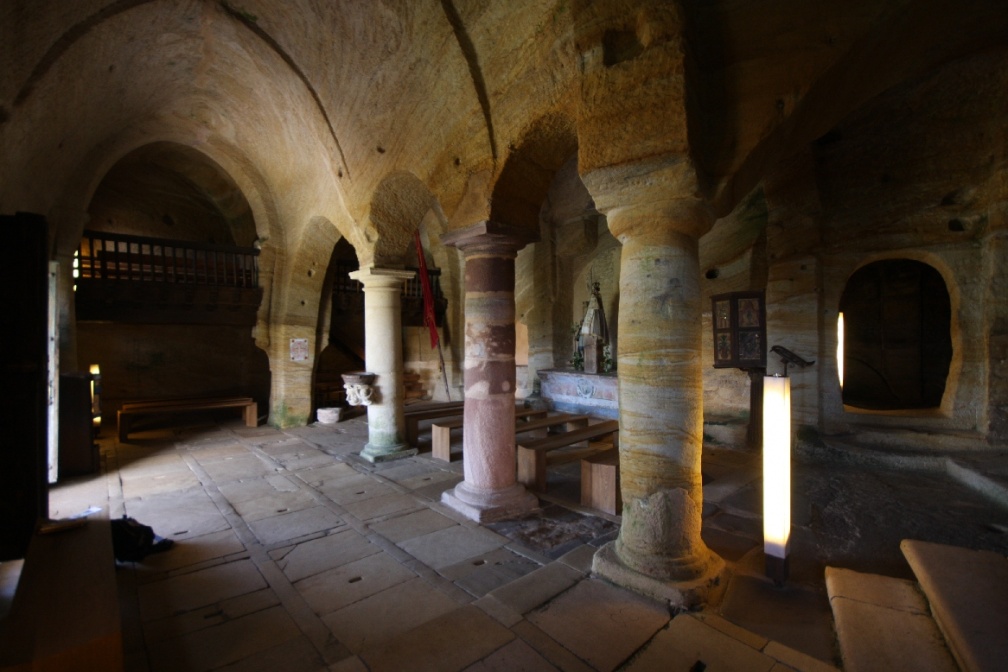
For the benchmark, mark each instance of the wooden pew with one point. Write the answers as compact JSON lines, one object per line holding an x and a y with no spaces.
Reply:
{"x":416,"y":413}
{"x":132,"y":409}
{"x":534,"y":455}
{"x":65,"y":613}
{"x":441,"y":430}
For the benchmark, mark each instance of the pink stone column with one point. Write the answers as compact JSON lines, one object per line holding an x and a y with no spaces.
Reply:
{"x":659,"y":551}
{"x":490,"y":490}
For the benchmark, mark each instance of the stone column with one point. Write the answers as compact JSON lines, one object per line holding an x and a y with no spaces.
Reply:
{"x":659,"y":551}
{"x":383,"y":355}
{"x":490,"y":490}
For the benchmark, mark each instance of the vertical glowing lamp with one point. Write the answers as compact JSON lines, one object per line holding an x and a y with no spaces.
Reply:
{"x":95,"y":372}
{"x":840,"y":348}
{"x":776,"y":475}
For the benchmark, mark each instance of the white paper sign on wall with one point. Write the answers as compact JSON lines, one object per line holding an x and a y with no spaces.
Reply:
{"x":299,"y":349}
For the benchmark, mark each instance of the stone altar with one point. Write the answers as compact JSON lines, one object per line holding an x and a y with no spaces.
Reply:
{"x":580,"y":392}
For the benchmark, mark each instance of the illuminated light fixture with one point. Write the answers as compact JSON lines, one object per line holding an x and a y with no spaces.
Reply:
{"x":840,"y":348}
{"x":95,"y":372}
{"x":776,"y":475}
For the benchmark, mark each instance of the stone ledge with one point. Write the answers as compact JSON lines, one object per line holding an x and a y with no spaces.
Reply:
{"x":883,"y":623}
{"x":968,"y":594}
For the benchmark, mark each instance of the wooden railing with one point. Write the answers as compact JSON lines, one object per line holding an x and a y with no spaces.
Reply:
{"x":343,"y":284}
{"x":120,"y":257}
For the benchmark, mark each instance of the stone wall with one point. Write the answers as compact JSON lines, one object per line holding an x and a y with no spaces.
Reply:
{"x":164,"y":361}
{"x":888,"y":185}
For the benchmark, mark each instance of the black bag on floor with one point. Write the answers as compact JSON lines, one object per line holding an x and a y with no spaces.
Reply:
{"x":133,"y":541}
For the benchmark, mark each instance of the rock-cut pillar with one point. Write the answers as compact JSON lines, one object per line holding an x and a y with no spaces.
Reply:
{"x":383,"y":357}
{"x":659,"y":551}
{"x":490,"y":490}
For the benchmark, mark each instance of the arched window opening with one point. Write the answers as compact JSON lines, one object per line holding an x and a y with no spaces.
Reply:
{"x":897,"y":341}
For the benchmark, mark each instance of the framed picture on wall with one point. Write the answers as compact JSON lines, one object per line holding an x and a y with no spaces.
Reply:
{"x":739,"y":321}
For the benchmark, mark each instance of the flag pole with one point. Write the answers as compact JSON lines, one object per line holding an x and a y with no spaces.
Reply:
{"x":429,"y":318}
{"x":444,"y":372}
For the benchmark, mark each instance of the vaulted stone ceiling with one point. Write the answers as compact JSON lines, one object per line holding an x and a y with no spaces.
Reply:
{"x":312,"y":107}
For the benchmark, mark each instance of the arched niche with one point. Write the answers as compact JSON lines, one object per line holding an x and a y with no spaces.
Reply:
{"x":897,"y":344}
{"x":170,"y":337}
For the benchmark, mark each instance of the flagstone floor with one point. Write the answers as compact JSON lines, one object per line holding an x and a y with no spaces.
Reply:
{"x":293,"y":553}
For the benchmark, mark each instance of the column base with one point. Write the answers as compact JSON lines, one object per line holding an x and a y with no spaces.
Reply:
{"x":490,"y":505}
{"x":683,"y":595}
{"x":375,"y":454}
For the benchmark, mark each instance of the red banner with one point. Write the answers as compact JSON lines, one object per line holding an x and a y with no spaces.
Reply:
{"x":428,"y":297}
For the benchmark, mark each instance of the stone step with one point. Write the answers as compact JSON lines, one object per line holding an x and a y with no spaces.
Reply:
{"x":883,"y":623}
{"x":968,"y":594}
{"x":707,"y":642}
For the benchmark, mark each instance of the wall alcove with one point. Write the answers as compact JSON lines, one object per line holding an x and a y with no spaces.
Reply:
{"x":897,"y":340}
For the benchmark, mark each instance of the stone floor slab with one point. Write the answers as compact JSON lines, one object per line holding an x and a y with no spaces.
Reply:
{"x":274,"y":504}
{"x":387,"y":614}
{"x":549,"y":648}
{"x":356,"y":489}
{"x":229,"y":642}
{"x":318,"y":555}
{"x":427,"y":478}
{"x":178,"y":515}
{"x":318,"y":477}
{"x":535,"y":588}
{"x":485,"y":572}
{"x":436,"y":487}
{"x":410,"y":525}
{"x":286,"y":526}
{"x":382,"y":506}
{"x":400,"y":471}
{"x":203,"y":587}
{"x":254,"y":488}
{"x":451,"y":545}
{"x":192,"y":551}
{"x":341,"y":586}
{"x":305,"y":460}
{"x":175,"y":480}
{"x":791,"y":614}
{"x":214,"y":614}
{"x":688,"y":644}
{"x":446,"y":644}
{"x":516,"y":655}
{"x":215,"y":453}
{"x":293,"y":654}
{"x":237,"y":468}
{"x":601,"y":624}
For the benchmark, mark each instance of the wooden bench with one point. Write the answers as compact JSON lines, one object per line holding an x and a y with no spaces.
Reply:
{"x":534,"y":455}
{"x":600,"y":488}
{"x":417,"y":413}
{"x":441,"y":430}
{"x":65,"y":613}
{"x":132,"y":409}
